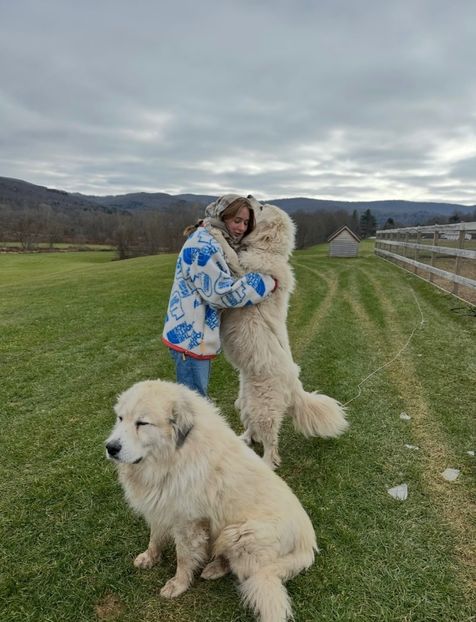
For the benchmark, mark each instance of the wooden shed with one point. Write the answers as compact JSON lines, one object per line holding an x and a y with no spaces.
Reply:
{"x":343,"y":243}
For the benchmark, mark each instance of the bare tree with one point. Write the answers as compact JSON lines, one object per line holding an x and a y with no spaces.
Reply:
{"x":28,"y":228}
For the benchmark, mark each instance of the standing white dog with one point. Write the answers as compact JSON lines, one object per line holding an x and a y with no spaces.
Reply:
{"x":255,"y":341}
{"x":193,"y":480}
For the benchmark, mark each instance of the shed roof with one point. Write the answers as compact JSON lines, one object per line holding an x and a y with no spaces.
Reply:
{"x":339,"y":231}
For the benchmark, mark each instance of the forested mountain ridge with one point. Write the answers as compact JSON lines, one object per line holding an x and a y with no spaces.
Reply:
{"x":21,"y":193}
{"x":148,"y":223}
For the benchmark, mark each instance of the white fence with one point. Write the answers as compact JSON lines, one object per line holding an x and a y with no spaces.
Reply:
{"x":445,"y":255}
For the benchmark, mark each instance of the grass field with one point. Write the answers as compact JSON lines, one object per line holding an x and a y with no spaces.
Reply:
{"x":76,"y":329}
{"x":56,"y":246}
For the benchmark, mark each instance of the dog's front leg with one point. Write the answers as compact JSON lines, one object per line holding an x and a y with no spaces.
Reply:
{"x":192,"y":546}
{"x":151,"y":556}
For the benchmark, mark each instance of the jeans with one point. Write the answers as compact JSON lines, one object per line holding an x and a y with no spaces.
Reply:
{"x":193,"y":373}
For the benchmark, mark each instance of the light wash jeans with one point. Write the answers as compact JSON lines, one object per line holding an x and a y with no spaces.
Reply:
{"x":193,"y":373}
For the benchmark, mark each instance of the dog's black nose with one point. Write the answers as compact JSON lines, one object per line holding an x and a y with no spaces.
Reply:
{"x":113,"y":448}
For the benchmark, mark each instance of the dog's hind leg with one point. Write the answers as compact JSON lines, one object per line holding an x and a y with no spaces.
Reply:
{"x":151,"y":556}
{"x":192,"y":546}
{"x":262,"y":413}
{"x":266,"y":430}
{"x":219,"y":567}
{"x":247,"y":437}
{"x":269,"y":428}
{"x":240,"y":407}
{"x":238,"y":401}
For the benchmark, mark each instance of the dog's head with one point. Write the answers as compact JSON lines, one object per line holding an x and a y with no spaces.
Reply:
{"x":274,"y":232}
{"x":153,"y":417}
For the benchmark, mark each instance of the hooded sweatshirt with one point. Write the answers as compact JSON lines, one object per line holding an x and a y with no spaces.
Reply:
{"x":203,"y":286}
{"x":214,"y":211}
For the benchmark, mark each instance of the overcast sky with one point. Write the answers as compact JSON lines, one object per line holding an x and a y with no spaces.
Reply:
{"x":347,"y":100}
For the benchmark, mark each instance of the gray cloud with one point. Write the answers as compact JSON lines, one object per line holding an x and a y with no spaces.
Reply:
{"x":334,"y":99}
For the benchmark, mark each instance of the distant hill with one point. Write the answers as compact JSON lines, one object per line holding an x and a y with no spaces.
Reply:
{"x":147,"y":200}
{"x":405,"y":212}
{"x":15,"y":192}
{"x":18,"y":193}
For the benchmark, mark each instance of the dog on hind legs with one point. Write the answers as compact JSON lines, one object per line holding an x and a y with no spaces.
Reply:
{"x":255,"y":341}
{"x":194,"y":481}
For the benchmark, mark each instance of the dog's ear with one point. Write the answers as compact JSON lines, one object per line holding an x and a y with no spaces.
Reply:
{"x":181,"y":421}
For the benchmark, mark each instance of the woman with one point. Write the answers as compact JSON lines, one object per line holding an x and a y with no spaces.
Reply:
{"x":204,"y":285}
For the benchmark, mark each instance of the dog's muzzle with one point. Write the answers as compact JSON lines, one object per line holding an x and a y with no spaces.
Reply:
{"x":113,"y":448}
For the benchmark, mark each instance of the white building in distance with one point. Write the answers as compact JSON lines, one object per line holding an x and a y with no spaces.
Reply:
{"x":343,"y":243}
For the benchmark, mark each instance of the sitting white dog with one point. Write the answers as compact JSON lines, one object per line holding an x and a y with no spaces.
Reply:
{"x":193,"y":480}
{"x":255,"y":341}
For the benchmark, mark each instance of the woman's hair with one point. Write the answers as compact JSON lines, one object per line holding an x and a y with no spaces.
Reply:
{"x":229,"y":212}
{"x":232,"y":210}
{"x":191,"y":228}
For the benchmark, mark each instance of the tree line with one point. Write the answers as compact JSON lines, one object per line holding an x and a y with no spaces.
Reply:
{"x":148,"y":232}
{"x":144,"y":232}
{"x":132,"y":233}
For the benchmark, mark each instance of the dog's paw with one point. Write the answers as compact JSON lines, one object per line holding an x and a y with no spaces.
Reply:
{"x":146,"y":560}
{"x":173,"y":588}
{"x":215,"y":569}
{"x":272,"y":459}
{"x":247,"y":438}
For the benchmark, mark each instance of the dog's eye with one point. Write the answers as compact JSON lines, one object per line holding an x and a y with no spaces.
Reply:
{"x":139,"y":423}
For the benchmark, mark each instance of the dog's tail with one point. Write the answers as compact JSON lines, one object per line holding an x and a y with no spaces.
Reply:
{"x":265,"y":594}
{"x":315,"y":414}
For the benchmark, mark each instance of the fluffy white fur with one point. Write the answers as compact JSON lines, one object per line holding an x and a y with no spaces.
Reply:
{"x":194,"y":480}
{"x":255,"y":341}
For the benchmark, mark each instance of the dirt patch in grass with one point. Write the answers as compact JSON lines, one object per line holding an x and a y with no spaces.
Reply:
{"x":109,"y":608}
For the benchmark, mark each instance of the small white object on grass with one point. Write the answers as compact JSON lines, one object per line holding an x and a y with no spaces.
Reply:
{"x":450,"y":474}
{"x":399,"y":492}
{"x":411,"y":446}
{"x":470,"y":453}
{"x":404,"y":416}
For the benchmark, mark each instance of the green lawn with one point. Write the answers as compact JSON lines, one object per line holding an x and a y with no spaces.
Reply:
{"x":57,"y":246}
{"x":76,"y":329}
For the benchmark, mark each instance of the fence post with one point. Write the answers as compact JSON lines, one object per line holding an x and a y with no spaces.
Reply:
{"x":432,"y":259}
{"x":448,"y":271}
{"x":458,"y":260}
{"x":416,"y":254}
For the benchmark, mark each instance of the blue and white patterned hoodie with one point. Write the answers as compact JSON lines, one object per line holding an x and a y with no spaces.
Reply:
{"x":202,"y":287}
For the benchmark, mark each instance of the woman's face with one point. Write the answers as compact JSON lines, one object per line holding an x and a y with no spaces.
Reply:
{"x":238,"y":224}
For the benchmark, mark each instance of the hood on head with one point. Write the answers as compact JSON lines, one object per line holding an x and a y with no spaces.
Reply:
{"x":216,"y":209}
